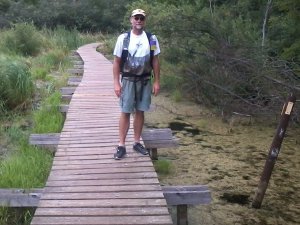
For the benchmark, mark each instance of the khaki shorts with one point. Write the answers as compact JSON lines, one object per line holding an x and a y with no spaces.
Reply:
{"x":131,"y":101}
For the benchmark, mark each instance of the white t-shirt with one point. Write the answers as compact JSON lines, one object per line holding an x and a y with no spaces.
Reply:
{"x":138,"y":61}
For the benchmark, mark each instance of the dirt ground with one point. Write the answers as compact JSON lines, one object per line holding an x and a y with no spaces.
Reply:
{"x":229,"y":158}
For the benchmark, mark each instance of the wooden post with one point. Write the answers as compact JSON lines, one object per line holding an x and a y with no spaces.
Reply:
{"x":274,"y":151}
{"x":182,"y":217}
{"x":153,"y":154}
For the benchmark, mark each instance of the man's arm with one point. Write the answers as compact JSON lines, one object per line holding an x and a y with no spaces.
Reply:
{"x":156,"y":71}
{"x":116,"y":73}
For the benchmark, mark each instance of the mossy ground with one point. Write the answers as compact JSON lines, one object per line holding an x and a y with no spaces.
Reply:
{"x":229,"y":157}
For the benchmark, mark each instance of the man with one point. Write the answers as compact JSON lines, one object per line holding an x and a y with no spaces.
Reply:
{"x":136,"y":55}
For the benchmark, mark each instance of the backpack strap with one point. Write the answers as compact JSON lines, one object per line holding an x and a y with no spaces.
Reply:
{"x":152,"y":44}
{"x":125,"y":50}
{"x":126,"y":41}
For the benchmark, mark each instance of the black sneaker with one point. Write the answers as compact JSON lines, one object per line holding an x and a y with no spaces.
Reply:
{"x":121,"y":151}
{"x":140,"y":148}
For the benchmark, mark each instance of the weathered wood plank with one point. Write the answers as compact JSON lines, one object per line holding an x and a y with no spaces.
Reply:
{"x":97,"y":161}
{"x":104,"y":195}
{"x":103,"y":176}
{"x":93,"y":166}
{"x":187,"y":195}
{"x":67,"y":90}
{"x":65,"y":172}
{"x":94,"y":220}
{"x":102,"y":188}
{"x":140,"y":211}
{"x":20,"y":197}
{"x":103,"y":203}
{"x":158,"y":138}
{"x":75,"y":71}
{"x":106,"y":183}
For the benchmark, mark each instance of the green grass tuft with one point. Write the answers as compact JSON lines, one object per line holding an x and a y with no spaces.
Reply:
{"x":16,"y":86}
{"x":48,"y":119}
{"x":27,"y":167}
{"x":162,"y":166}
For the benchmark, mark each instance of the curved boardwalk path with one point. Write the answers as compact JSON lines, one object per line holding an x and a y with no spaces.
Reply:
{"x":86,"y":185}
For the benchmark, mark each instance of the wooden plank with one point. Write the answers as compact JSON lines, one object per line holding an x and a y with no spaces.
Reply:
{"x":19,"y":197}
{"x":119,"y":165}
{"x":75,"y":71}
{"x":187,"y":195}
{"x":67,"y":90}
{"x":106,"y":183}
{"x":63,"y":108}
{"x":102,"y":203}
{"x":66,"y":97}
{"x":157,"y":134}
{"x":159,"y":138}
{"x":78,"y":62}
{"x":104,"y":195}
{"x":65,"y":172}
{"x":171,"y":143}
{"x":140,"y":211}
{"x":94,"y":220}
{"x":103,"y":188}
{"x":103,"y":176}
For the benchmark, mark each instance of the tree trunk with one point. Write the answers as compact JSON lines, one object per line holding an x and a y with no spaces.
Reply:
{"x":268,"y":8}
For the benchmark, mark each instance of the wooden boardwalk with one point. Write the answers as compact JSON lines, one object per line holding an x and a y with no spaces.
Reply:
{"x":86,"y":185}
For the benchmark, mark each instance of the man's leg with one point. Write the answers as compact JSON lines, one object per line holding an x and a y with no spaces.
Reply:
{"x":124,"y":124}
{"x":138,"y":124}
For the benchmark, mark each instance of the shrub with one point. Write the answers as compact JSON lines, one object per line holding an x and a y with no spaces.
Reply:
{"x":23,"y":39}
{"x":16,"y":86}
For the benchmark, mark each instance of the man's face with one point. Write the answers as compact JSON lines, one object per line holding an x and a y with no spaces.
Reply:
{"x":138,"y":21}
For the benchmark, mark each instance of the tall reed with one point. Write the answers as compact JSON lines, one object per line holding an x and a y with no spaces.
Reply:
{"x":16,"y":86}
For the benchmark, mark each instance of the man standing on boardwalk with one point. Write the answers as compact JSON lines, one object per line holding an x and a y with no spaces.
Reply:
{"x":136,"y":56}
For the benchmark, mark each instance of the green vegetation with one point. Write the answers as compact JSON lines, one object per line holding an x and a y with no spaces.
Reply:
{"x":32,"y":70}
{"x":230,"y":55}
{"x":48,"y":119}
{"x":162,"y":166}
{"x":27,"y":167}
{"x":23,"y":39}
{"x":15,"y":216}
{"x":16,"y":87}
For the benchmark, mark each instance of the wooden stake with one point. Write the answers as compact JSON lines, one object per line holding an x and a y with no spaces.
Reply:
{"x":274,"y":151}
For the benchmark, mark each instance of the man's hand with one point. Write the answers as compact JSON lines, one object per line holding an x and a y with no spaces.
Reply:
{"x":155,"y":88}
{"x":118,"y":89}
{"x":116,"y":73}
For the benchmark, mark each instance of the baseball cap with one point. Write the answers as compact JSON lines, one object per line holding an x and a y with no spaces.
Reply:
{"x":138,"y":12}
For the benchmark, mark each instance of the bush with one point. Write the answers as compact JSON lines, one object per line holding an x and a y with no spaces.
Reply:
{"x":16,"y":86}
{"x":23,"y":39}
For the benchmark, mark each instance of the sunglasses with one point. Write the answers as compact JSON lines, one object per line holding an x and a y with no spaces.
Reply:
{"x":141,"y":18}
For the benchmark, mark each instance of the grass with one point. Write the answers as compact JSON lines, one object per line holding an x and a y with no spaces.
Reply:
{"x":16,"y":86}
{"x":48,"y":119}
{"x":162,"y":166}
{"x":26,"y":167}
{"x":15,"y":216}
